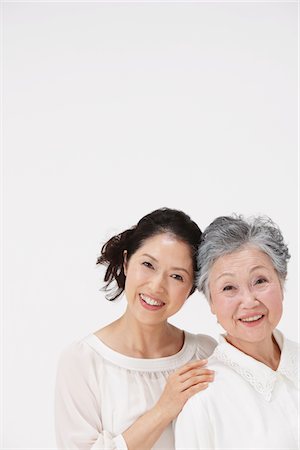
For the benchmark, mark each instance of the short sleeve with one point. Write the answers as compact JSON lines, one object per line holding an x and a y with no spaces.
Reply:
{"x":193,"y":429}
{"x":78,"y":423}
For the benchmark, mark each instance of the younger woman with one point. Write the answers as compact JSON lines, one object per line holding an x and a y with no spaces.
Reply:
{"x":121,"y":387}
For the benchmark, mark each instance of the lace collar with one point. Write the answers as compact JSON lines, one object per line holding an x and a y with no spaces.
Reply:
{"x":260,"y":376}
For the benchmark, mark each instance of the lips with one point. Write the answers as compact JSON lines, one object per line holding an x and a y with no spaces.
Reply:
{"x":151,"y":302}
{"x":252,"y":320}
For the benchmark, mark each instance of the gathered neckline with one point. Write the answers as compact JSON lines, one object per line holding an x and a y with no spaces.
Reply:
{"x":166,"y":363}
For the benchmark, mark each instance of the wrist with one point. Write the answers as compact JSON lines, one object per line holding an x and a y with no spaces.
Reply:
{"x":161,"y":416}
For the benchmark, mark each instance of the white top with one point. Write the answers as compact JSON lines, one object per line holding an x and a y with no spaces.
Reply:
{"x":100,"y":393}
{"x":248,"y":406}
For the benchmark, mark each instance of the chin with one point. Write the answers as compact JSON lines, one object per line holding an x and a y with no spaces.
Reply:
{"x":255,"y":339}
{"x":149,"y":320}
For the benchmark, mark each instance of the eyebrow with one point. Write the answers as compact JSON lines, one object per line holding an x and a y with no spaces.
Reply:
{"x":173,"y":268}
{"x":232,"y":274}
{"x":224,"y":275}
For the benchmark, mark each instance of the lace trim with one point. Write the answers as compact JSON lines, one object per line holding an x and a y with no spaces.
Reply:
{"x":262,"y":386}
{"x":261,"y":377}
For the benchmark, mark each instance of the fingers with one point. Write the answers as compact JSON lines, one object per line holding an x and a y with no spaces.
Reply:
{"x":205,"y":373}
{"x":192,"y":365}
{"x":183,"y":384}
{"x":191,"y":375}
{"x":195,"y":389}
{"x":196,"y":380}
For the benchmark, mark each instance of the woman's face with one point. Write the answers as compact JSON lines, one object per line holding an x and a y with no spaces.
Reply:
{"x":246,"y":295}
{"x":159,"y":278}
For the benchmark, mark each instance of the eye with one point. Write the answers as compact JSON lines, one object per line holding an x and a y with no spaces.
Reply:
{"x":260,"y":280}
{"x":229,"y":287}
{"x":147,"y":264}
{"x":177,"y":277}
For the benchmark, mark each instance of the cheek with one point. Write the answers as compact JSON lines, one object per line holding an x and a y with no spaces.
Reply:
{"x":180,"y":293}
{"x":140,"y":272}
{"x":134,"y":277}
{"x":276,"y":307}
{"x":273,"y":299}
{"x":222,"y":308}
{"x":216,"y":302}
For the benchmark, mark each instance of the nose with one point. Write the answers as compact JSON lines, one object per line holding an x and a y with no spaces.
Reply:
{"x":157,"y":283}
{"x":248,"y":299}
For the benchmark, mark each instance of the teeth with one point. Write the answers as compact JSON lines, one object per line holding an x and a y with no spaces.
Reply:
{"x":252,"y":319}
{"x":151,"y":301}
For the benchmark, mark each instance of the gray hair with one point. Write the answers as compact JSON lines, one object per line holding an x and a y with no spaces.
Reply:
{"x":227,"y":234}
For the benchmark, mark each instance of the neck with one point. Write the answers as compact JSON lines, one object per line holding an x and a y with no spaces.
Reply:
{"x":266,"y":352}
{"x":148,"y":340}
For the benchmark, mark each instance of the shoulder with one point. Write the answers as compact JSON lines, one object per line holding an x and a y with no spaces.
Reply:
{"x":225,"y":381}
{"x":79,"y":359}
{"x":79,"y":376}
{"x":196,"y":409}
{"x":205,"y":345}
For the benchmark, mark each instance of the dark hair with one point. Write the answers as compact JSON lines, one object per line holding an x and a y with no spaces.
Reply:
{"x":163,"y":220}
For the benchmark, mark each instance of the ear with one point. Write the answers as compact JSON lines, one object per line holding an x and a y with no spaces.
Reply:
{"x":125,"y":262}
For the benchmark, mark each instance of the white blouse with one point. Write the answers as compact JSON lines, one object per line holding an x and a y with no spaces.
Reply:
{"x":100,"y":393}
{"x":248,"y":406}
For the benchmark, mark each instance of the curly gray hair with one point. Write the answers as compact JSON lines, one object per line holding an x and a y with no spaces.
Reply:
{"x":227,"y":234}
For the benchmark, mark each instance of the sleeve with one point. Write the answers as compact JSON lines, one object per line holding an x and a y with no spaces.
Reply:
{"x":193,"y":429}
{"x":205,"y":346}
{"x":78,"y":423}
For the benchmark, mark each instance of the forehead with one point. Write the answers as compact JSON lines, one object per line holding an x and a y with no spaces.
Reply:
{"x":244,"y":259}
{"x":163,"y":245}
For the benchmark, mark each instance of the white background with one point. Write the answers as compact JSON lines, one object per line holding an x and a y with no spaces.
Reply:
{"x":112,"y":110}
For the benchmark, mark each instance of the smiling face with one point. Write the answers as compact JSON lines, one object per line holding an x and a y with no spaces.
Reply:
{"x":246,"y":296}
{"x":159,"y":278}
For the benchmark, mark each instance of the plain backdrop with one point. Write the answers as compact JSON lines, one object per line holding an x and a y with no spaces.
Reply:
{"x":112,"y":110}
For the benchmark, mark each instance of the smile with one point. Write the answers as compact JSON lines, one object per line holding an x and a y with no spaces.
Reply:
{"x":252,"y":319}
{"x":151,"y":302}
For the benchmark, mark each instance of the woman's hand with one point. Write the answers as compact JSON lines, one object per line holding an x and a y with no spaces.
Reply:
{"x":181,"y":385}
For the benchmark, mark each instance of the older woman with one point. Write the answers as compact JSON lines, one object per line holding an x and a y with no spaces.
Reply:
{"x":253,"y":402}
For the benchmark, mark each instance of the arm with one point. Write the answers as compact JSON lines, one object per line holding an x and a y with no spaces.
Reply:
{"x":193,"y":428}
{"x":78,"y":407}
{"x":181,"y":385}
